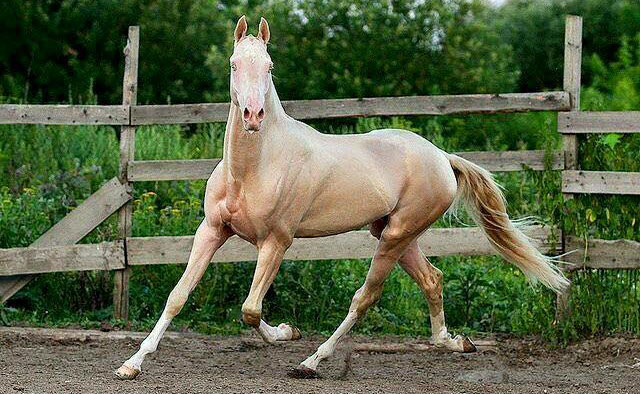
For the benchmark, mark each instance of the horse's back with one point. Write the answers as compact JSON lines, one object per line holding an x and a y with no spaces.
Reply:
{"x":368,"y":175}
{"x":419,"y":155}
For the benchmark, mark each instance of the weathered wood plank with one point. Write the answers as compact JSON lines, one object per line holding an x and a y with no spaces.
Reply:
{"x":87,"y":216}
{"x":573,"y":60}
{"x":353,"y":245}
{"x":179,"y":113}
{"x":390,"y":348}
{"x":428,"y":105}
{"x":349,"y":108}
{"x":64,"y":114}
{"x":571,"y":84}
{"x":165,"y":170}
{"x":102,"y":256}
{"x":601,"y":182}
{"x":300,"y":109}
{"x":73,"y":227}
{"x":598,"y":122}
{"x":603,"y":254}
{"x":507,"y":161}
{"x":127,"y":154}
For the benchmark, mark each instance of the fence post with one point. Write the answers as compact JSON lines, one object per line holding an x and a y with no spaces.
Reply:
{"x":127,"y":152}
{"x":571,"y":84}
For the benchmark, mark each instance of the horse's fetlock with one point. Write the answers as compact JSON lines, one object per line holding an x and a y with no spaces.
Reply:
{"x":148,"y":346}
{"x":251,"y":316}
{"x":323,"y":350}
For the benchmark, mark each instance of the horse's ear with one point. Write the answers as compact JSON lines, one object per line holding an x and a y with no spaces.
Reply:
{"x":263,"y":31}
{"x":241,"y":29}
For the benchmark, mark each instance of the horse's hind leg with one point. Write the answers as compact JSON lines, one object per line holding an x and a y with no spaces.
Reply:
{"x":393,"y":242}
{"x":429,"y":278}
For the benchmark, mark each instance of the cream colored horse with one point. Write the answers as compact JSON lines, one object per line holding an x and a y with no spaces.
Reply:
{"x":281,"y":179}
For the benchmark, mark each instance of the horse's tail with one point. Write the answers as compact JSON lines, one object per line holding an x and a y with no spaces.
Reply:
{"x":486,"y":204}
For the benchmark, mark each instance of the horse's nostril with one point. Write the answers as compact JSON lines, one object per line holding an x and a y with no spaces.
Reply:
{"x":246,"y":114}
{"x":261,"y":114}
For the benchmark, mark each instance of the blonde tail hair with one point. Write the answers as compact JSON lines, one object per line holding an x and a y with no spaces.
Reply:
{"x":486,"y":204}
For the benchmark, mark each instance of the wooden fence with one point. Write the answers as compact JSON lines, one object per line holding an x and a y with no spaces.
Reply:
{"x":58,"y":249}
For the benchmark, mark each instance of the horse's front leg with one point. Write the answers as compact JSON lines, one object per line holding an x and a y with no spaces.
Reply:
{"x":208,"y":238}
{"x":270,"y":255}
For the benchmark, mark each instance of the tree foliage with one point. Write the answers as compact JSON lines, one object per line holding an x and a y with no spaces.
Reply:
{"x":60,"y":50}
{"x":535,"y":31}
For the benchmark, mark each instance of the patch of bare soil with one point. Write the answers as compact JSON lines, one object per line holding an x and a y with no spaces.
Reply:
{"x":76,"y":361}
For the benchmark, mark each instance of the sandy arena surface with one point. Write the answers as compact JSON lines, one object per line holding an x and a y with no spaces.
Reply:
{"x":77,"y":361}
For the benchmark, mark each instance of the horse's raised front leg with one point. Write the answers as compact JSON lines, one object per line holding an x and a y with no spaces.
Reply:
{"x":429,"y":278}
{"x":208,"y":238}
{"x":270,"y":256}
{"x":390,"y":248}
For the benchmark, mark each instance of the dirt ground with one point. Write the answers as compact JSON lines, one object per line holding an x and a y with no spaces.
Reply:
{"x":76,"y":361}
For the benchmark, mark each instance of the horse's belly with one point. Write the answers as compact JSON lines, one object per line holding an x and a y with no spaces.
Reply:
{"x":320,"y":226}
{"x":339,"y":211}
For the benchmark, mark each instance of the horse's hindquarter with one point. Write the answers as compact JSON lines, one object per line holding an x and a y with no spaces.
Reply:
{"x":366,"y":178}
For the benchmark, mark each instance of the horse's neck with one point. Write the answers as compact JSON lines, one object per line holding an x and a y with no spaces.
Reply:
{"x":243,"y":152}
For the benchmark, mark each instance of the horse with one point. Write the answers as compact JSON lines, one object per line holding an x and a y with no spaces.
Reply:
{"x":280,"y":179}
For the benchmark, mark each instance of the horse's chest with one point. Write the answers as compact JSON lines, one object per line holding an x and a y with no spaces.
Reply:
{"x":247,"y":219}
{"x":234,"y":214}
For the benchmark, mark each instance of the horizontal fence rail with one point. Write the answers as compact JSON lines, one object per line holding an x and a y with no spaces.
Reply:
{"x":602,"y":254}
{"x":350,"y":108}
{"x":299,"y":109}
{"x":468,"y":241}
{"x":598,"y":122}
{"x":85,"y":257}
{"x":165,"y":170}
{"x":64,"y":114}
{"x":601,"y":182}
{"x":595,"y":254}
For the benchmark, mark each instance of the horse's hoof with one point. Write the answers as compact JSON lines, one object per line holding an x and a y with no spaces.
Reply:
{"x":302,"y":372}
{"x":126,"y":372}
{"x":295,"y":333}
{"x":468,"y":346}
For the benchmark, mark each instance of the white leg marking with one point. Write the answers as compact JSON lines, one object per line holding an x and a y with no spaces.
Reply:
{"x":270,"y":334}
{"x":441,"y":337}
{"x":329,"y":346}
{"x":150,"y":344}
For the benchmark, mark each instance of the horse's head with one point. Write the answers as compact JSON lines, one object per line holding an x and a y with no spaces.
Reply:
{"x":250,"y":73}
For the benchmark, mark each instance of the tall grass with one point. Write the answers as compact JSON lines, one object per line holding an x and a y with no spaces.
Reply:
{"x":46,"y":171}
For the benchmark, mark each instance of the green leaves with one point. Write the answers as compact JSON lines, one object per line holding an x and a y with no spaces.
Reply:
{"x":610,"y":140}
